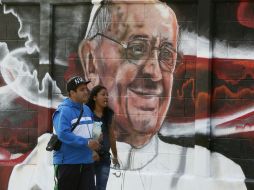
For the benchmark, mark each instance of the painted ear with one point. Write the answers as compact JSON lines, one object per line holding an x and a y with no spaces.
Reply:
{"x":88,"y":61}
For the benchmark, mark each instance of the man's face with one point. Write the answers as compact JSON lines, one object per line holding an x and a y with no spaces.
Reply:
{"x":139,"y":79}
{"x":81,"y":94}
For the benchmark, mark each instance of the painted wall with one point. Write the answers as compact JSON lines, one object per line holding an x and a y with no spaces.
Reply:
{"x":181,"y":85}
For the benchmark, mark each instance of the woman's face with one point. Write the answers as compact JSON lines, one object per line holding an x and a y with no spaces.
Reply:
{"x":101,"y":99}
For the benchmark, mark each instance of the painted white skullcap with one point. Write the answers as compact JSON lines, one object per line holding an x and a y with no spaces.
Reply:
{"x":96,"y":6}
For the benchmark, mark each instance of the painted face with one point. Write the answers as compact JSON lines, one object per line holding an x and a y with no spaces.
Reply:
{"x":101,"y":99}
{"x":81,"y":94}
{"x":139,"y":77}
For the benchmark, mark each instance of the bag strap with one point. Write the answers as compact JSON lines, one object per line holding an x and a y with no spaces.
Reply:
{"x":76,"y":124}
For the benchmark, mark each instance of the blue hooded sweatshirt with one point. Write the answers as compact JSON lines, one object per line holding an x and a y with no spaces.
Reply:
{"x":74,"y":149}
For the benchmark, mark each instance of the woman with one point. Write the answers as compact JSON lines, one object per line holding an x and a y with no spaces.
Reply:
{"x":103,"y":119}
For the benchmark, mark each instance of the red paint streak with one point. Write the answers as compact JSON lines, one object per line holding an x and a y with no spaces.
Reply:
{"x":13,"y":162}
{"x":223,"y":91}
{"x":233,"y":70}
{"x":74,"y":68}
{"x":247,"y":118}
{"x":245,"y":13}
{"x":4,"y":154}
{"x":180,"y":93}
{"x":45,"y":120}
{"x":243,"y":126}
{"x":232,"y":91}
{"x":20,"y":101}
{"x":240,"y":125}
{"x":202,"y":105}
{"x":6,"y":167}
{"x":5,"y":172}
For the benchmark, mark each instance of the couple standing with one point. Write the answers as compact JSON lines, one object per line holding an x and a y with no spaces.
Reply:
{"x":74,"y":162}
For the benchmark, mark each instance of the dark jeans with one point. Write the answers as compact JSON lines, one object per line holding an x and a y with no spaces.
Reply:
{"x":75,"y":177}
{"x":102,"y":169}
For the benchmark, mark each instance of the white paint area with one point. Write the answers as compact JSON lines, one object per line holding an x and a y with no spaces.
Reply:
{"x":172,"y":168}
{"x":208,"y":126}
{"x":96,"y":6}
{"x":221,"y":49}
{"x":24,"y":33}
{"x":28,"y":174}
{"x":20,"y":78}
{"x":25,"y":83}
{"x":164,"y":13}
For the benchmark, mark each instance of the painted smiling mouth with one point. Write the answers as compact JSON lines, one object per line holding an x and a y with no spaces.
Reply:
{"x":143,"y":100}
{"x":146,"y":93}
{"x":147,"y":109}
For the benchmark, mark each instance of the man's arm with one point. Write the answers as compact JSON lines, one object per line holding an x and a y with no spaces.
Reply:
{"x":64,"y":133}
{"x":62,"y":125}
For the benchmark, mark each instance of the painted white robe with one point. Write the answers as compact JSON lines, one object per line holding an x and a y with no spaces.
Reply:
{"x":157,"y":166}
{"x":163,"y":166}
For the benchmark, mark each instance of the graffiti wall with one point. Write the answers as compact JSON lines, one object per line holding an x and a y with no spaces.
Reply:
{"x":180,"y":77}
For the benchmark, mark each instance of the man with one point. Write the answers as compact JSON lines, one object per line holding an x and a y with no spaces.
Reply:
{"x":74,"y":161}
{"x":134,"y":56}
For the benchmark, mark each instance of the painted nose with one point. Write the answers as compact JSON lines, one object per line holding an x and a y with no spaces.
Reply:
{"x":152,"y":65}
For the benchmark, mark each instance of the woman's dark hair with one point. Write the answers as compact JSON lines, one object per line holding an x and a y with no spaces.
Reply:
{"x":94,"y":92}
{"x":107,"y":112}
